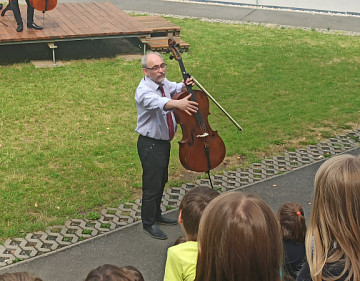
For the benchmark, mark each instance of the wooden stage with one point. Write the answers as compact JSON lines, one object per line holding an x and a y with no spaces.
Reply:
{"x":73,"y":21}
{"x":87,"y":21}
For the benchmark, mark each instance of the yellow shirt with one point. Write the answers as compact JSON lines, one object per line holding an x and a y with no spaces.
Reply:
{"x":181,"y":262}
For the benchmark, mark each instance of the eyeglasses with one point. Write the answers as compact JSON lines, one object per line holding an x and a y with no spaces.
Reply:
{"x":156,"y":67}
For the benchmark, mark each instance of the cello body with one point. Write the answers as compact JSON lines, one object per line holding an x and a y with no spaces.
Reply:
{"x":43,"y":5}
{"x":201,"y":149}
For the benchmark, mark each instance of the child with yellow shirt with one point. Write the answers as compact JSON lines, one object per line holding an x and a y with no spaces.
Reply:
{"x":182,"y":258}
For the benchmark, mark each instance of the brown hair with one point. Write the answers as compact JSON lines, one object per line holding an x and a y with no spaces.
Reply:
{"x":133,"y":272}
{"x":18,"y":276}
{"x":334,"y":226}
{"x":180,"y":240}
{"x":239,"y":239}
{"x":108,"y":272}
{"x":292,"y":222}
{"x":192,"y":206}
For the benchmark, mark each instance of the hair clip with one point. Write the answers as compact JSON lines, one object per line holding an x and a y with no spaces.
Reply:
{"x":298,"y":213}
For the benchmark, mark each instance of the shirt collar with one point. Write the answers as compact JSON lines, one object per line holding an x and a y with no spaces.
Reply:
{"x":154,"y":86}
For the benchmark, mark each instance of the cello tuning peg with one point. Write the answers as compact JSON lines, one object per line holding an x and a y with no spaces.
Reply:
{"x":171,"y":57}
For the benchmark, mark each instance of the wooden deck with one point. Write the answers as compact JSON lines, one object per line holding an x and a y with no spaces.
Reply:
{"x":73,"y":21}
{"x":86,"y":21}
{"x":160,"y":25}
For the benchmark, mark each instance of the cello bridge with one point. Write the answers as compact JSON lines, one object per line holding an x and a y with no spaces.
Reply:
{"x":202,"y":135}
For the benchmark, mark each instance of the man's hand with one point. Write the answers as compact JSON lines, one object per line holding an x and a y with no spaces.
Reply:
{"x":189,"y":82}
{"x":184,"y":104}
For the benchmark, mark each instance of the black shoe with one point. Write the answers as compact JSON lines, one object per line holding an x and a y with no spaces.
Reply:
{"x":166,"y":221}
{"x":19,"y":28}
{"x":154,"y":231}
{"x":34,"y":26}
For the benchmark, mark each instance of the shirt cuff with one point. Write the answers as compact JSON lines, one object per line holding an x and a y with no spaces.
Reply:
{"x":179,"y":87}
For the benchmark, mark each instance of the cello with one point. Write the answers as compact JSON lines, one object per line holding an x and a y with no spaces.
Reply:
{"x":201,"y":149}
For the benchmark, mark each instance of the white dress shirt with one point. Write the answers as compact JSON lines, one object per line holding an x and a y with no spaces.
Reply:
{"x":151,"y":121}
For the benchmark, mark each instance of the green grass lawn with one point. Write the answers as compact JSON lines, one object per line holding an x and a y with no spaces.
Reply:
{"x":68,"y":146}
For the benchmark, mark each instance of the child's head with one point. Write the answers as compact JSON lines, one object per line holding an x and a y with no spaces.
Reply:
{"x":191,"y":209}
{"x":335,"y":217}
{"x":239,"y":239}
{"x":111,"y":272}
{"x":18,"y":276}
{"x":132,"y":273}
{"x":292,"y":222}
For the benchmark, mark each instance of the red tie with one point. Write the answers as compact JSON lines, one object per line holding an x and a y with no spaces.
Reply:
{"x":169,"y":120}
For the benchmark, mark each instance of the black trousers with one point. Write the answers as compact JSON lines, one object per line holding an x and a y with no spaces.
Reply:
{"x":154,"y":156}
{"x":16,"y":10}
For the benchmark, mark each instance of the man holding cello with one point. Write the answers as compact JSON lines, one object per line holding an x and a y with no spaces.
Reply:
{"x":156,"y":125}
{"x":30,"y":16}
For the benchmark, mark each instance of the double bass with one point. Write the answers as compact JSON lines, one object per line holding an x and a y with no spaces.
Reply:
{"x":43,"y":5}
{"x":201,"y":149}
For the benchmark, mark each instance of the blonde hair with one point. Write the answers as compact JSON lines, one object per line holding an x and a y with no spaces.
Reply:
{"x":334,"y":226}
{"x":239,"y":239}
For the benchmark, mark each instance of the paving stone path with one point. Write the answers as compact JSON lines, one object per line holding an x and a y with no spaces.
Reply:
{"x":35,"y":244}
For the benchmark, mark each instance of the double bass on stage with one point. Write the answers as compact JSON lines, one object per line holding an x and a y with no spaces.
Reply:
{"x":43,"y":5}
{"x":40,"y":5}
